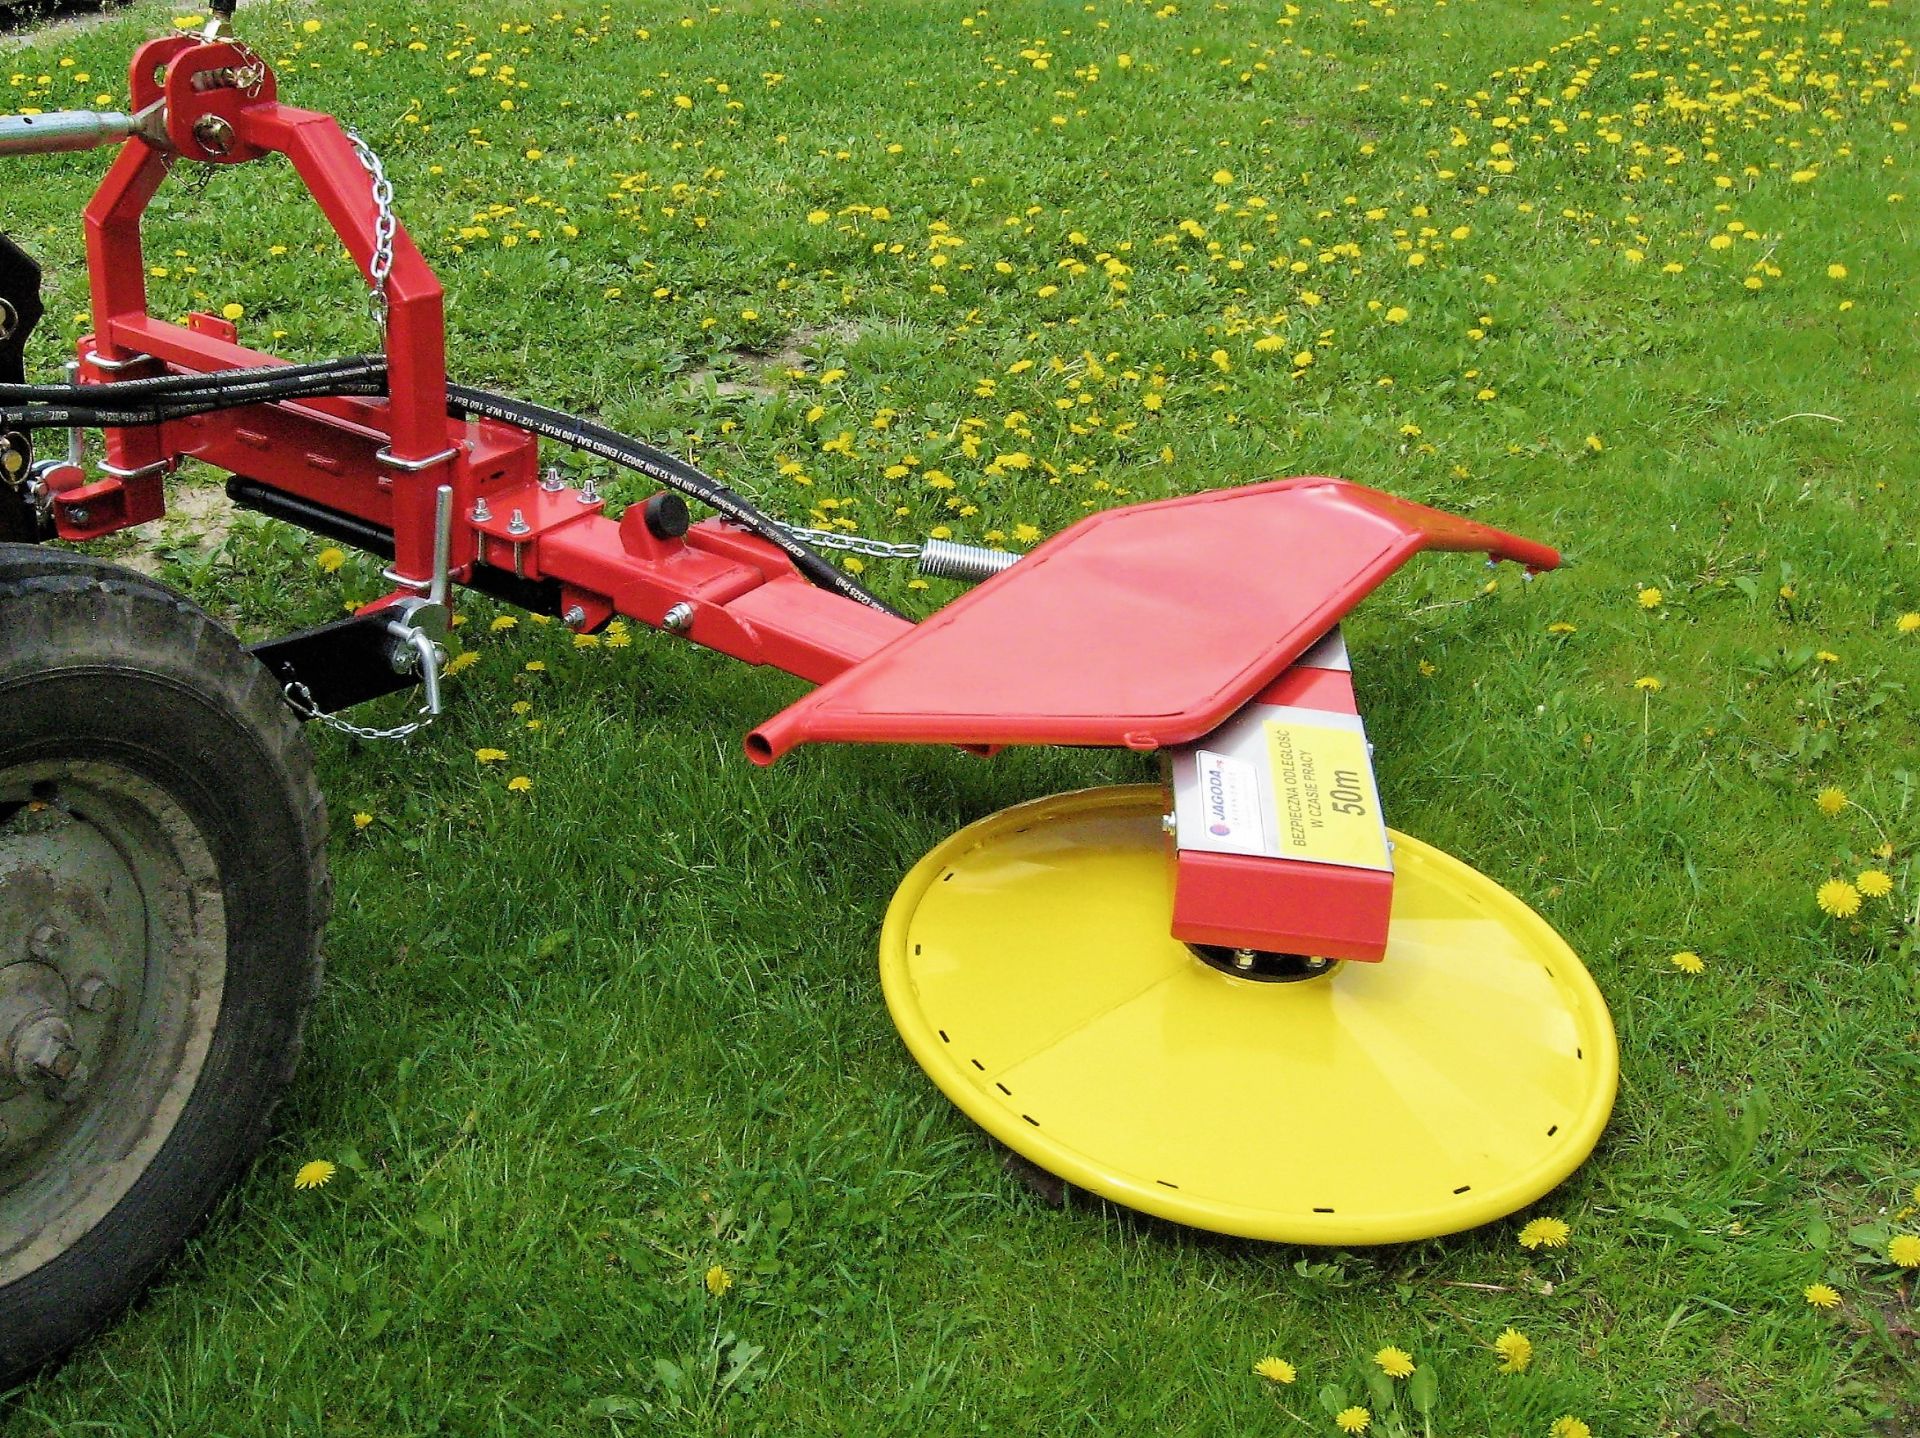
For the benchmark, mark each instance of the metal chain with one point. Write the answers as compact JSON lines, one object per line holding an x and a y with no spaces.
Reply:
{"x":853,"y":543}
{"x":300,"y":699}
{"x":253,"y":77}
{"x":385,"y":227}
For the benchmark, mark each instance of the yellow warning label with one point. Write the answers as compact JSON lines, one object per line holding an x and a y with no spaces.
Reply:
{"x":1327,"y":808}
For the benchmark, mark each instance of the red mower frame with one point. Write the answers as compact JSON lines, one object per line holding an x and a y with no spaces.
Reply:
{"x":383,"y":462}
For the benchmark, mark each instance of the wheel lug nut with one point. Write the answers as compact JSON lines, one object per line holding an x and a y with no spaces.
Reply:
{"x":62,"y":1063}
{"x":96,"y":995}
{"x":47,"y":943}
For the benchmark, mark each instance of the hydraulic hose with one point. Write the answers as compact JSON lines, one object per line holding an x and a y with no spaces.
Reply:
{"x":667,"y":469}
{"x":127,"y":403}
{"x":348,"y":370}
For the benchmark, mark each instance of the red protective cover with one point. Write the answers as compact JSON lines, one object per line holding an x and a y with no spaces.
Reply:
{"x":1137,"y":627}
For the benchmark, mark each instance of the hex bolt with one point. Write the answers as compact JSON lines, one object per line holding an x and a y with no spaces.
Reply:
{"x":96,"y":995}
{"x":518,"y":524}
{"x":1243,"y":958}
{"x":62,"y":1063}
{"x":1169,"y":824}
{"x":79,"y":516}
{"x":574,"y":617}
{"x":589,"y":493}
{"x":679,"y":619}
{"x":47,"y":943}
{"x":481,"y":514}
{"x":552,"y":481}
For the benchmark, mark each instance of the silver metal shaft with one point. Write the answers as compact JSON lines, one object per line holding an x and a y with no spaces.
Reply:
{"x":81,"y":130}
{"x":63,"y":130}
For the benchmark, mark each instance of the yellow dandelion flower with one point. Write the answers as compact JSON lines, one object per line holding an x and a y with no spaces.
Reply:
{"x":1838,"y":898}
{"x":586,"y":641}
{"x":362,"y":819}
{"x":1907,"y":622}
{"x":1594,"y":443}
{"x":311,"y":27}
{"x":489,"y":756}
{"x":1651,"y":683}
{"x":1394,"y":1362}
{"x":330,"y":559}
{"x":520,"y":783}
{"x":1395,"y":315}
{"x":1568,"y":1426}
{"x":1830,"y":800}
{"x":1650,"y":598}
{"x":1905,"y":1250}
{"x":1560,"y":626}
{"x":1821,"y":1295}
{"x":1223,"y":177}
{"x":536,"y":666}
{"x":1874,"y":883}
{"x":818,"y":217}
{"x":1275,"y":1370}
{"x":504,"y":623}
{"x":465,"y":660}
{"x":1352,"y":1420}
{"x":1827,"y":656}
{"x":1545,"y":1233}
{"x":234,"y":312}
{"x":718,"y":1281}
{"x":1836,"y":272}
{"x":1688,"y":962}
{"x":1515,"y":1350}
{"x":315,"y":1174}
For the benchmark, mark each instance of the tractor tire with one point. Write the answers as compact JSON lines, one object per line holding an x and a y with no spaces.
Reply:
{"x":163,"y":888}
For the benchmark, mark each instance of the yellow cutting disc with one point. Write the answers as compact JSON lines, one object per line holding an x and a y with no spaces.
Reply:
{"x":1028,"y":965}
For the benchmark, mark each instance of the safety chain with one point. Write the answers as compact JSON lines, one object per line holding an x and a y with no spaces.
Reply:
{"x":385,"y":226}
{"x":300,"y":699}
{"x":853,"y":543}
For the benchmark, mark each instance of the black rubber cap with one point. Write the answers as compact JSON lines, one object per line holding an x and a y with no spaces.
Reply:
{"x":666,"y":516}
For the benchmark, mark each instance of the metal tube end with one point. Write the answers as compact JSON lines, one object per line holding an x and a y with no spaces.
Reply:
{"x":970,"y":563}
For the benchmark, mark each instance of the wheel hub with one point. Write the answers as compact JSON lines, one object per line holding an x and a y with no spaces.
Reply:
{"x":71,"y":937}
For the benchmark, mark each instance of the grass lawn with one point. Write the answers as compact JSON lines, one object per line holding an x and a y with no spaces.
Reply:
{"x":1636,"y":278}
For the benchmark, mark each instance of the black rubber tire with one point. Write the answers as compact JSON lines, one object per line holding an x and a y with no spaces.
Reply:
{"x":101,"y":664}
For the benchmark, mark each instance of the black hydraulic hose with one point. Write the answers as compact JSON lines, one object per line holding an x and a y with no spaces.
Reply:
{"x":347,"y":370}
{"x":667,"y":469}
{"x":137,"y":402}
{"x":128,"y":403}
{"x":81,"y":415}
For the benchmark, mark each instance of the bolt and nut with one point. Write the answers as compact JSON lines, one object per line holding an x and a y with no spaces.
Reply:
{"x":95,"y":994}
{"x":47,"y":942}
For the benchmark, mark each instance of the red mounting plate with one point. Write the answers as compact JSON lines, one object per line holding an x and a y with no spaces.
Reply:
{"x":1138,"y":627}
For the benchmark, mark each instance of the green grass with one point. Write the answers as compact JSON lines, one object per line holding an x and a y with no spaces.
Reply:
{"x":581,"y":1044}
